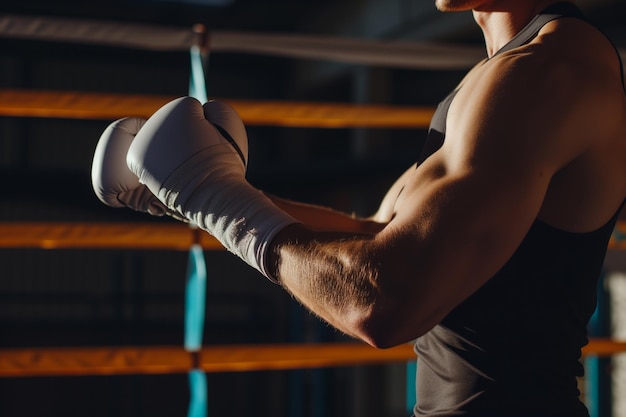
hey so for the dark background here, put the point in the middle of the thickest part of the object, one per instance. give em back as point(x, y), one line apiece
point(132, 297)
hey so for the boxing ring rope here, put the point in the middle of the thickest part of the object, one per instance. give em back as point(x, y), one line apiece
point(169, 359)
point(398, 54)
point(166, 236)
point(372, 52)
point(39, 362)
point(196, 274)
point(76, 235)
point(107, 106)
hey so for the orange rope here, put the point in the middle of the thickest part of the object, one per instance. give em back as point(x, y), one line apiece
point(32, 362)
point(618, 239)
point(165, 360)
point(172, 236)
point(107, 106)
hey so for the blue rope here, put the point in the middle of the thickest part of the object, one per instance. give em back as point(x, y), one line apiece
point(195, 288)
point(195, 299)
point(411, 394)
point(597, 378)
point(198, 404)
point(195, 302)
point(197, 83)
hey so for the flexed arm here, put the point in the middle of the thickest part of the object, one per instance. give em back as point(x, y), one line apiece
point(519, 140)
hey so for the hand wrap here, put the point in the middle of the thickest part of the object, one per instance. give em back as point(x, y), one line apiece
point(193, 158)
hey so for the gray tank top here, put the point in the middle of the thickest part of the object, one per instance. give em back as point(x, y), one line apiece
point(513, 348)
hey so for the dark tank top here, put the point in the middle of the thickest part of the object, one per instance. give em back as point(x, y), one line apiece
point(513, 348)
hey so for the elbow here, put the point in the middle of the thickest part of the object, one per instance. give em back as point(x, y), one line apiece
point(383, 335)
point(399, 309)
point(396, 314)
point(386, 327)
point(381, 339)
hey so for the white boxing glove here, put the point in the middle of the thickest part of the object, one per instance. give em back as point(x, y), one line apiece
point(193, 158)
point(113, 183)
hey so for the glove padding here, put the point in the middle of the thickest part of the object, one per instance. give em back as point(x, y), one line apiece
point(193, 158)
point(113, 183)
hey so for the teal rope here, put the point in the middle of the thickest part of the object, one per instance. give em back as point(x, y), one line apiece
point(195, 299)
point(597, 379)
point(198, 404)
point(197, 83)
point(195, 289)
point(411, 394)
point(195, 303)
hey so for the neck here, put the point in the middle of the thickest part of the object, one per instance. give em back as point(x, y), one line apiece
point(500, 21)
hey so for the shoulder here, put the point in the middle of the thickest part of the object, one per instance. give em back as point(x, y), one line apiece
point(583, 66)
point(579, 45)
point(568, 55)
point(573, 54)
point(546, 97)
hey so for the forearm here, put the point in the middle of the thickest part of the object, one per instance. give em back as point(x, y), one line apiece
point(322, 219)
point(331, 273)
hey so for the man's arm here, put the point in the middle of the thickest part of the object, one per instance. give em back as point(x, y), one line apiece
point(447, 238)
point(461, 214)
